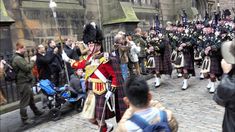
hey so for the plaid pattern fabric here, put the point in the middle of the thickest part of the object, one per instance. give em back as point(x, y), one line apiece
point(100, 100)
point(216, 66)
point(189, 61)
point(162, 62)
point(120, 106)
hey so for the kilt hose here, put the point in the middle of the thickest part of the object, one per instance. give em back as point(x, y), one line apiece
point(162, 63)
point(189, 62)
point(216, 68)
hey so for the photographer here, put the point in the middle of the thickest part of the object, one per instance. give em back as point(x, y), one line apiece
point(72, 51)
point(56, 64)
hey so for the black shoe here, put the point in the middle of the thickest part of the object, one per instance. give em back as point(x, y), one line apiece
point(28, 122)
point(144, 73)
point(39, 113)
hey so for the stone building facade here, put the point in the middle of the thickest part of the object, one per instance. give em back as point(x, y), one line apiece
point(34, 22)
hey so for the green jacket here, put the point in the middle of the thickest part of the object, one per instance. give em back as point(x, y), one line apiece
point(22, 68)
point(138, 39)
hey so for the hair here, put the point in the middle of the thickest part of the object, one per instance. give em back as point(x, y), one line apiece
point(49, 41)
point(137, 91)
point(118, 38)
point(138, 30)
point(19, 45)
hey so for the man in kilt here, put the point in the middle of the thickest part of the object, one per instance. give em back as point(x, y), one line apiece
point(213, 51)
point(159, 51)
point(186, 48)
point(101, 79)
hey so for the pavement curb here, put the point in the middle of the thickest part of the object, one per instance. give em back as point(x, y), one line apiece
point(15, 105)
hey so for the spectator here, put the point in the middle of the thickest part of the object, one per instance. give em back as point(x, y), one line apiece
point(2, 98)
point(139, 99)
point(72, 52)
point(43, 60)
point(83, 47)
point(137, 38)
point(56, 63)
point(133, 55)
point(23, 83)
point(225, 94)
point(123, 50)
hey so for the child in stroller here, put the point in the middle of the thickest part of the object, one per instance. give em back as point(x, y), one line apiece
point(59, 96)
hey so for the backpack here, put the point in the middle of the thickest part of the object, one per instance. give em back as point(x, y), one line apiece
point(161, 126)
point(9, 73)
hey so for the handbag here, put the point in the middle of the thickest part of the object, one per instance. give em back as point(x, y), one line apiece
point(88, 111)
point(173, 56)
point(151, 62)
point(206, 64)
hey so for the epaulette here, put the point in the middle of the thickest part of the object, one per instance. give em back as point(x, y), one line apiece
point(104, 60)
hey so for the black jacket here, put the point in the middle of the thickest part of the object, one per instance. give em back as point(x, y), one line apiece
point(56, 63)
point(72, 54)
point(225, 96)
point(42, 63)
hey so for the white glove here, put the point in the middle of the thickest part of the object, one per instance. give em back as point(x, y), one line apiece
point(65, 57)
point(108, 94)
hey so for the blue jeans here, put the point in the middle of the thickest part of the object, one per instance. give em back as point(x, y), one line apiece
point(124, 70)
point(141, 62)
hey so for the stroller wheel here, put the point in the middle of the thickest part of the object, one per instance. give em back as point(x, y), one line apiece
point(79, 105)
point(54, 114)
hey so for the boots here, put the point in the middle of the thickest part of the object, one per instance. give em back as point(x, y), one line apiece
point(212, 89)
point(158, 82)
point(209, 84)
point(185, 84)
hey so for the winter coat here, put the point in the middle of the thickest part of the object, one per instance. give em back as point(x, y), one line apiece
point(139, 40)
point(56, 63)
point(22, 68)
point(42, 63)
point(225, 96)
point(133, 55)
point(123, 53)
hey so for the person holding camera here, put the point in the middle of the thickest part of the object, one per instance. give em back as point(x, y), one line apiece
point(24, 80)
point(225, 94)
point(56, 64)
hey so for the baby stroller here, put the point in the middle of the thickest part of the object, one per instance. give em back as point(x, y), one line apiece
point(59, 96)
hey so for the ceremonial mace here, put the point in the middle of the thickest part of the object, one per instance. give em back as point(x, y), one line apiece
point(53, 5)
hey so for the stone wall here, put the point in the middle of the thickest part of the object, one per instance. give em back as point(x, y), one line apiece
point(34, 21)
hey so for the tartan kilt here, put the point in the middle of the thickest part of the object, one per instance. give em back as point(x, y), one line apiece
point(120, 106)
point(100, 100)
point(162, 63)
point(188, 61)
point(216, 66)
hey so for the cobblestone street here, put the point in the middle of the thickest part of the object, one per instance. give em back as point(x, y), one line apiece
point(194, 109)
